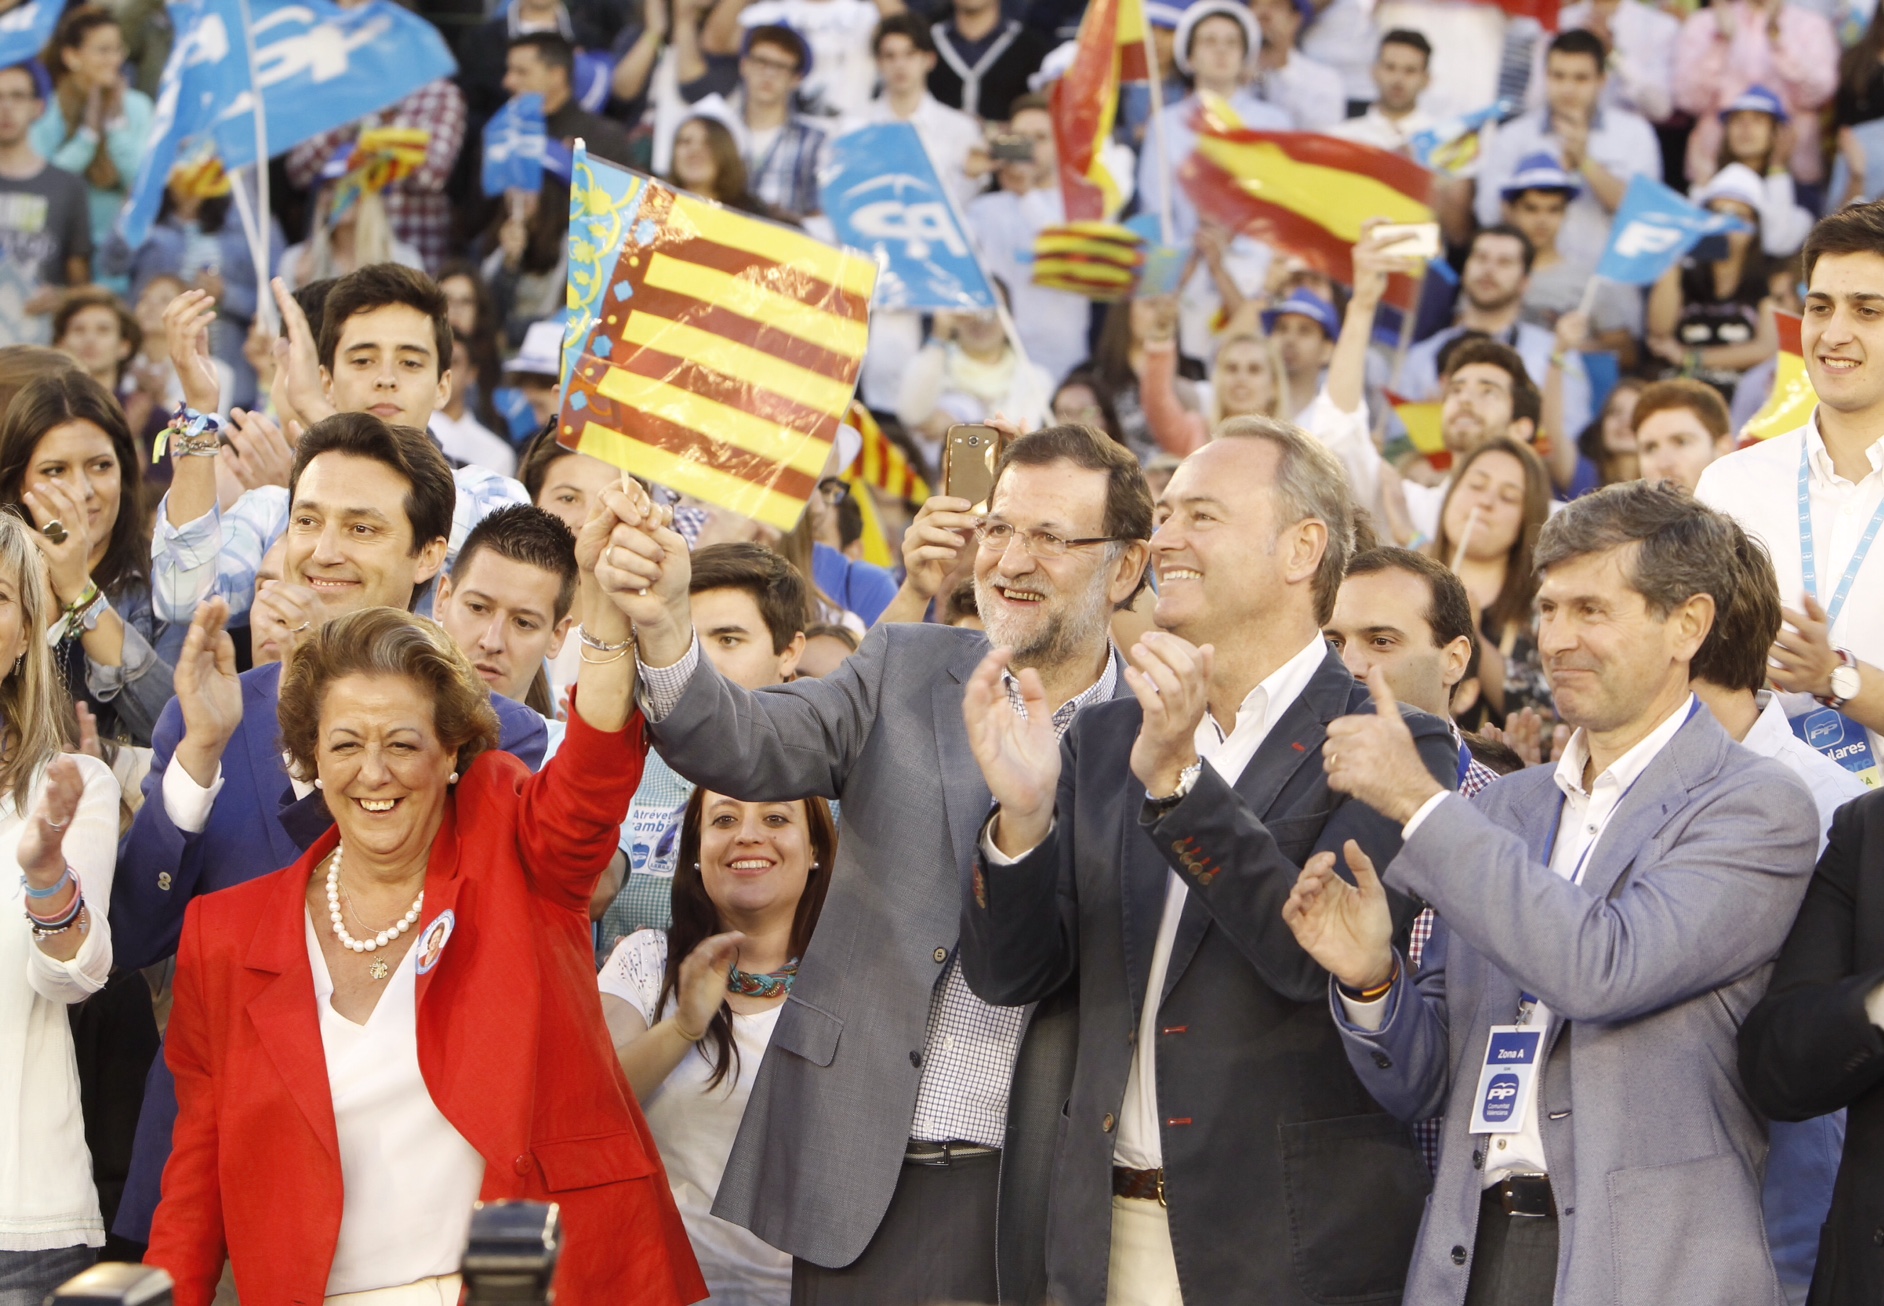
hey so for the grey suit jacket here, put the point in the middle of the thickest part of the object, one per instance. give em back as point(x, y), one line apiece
point(1650, 964)
point(822, 1143)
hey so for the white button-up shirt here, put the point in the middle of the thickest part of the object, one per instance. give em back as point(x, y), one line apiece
point(1758, 487)
point(1140, 1146)
point(1621, 142)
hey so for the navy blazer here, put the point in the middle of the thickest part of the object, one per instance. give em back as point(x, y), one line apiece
point(256, 827)
point(1287, 1184)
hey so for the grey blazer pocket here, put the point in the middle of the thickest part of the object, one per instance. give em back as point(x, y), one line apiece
point(1690, 1232)
point(805, 1031)
point(1356, 1188)
point(1296, 836)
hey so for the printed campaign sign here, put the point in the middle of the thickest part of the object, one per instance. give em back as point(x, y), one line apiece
point(25, 31)
point(883, 196)
point(1841, 739)
point(1653, 230)
point(1507, 1080)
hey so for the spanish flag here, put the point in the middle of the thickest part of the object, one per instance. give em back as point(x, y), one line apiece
point(881, 463)
point(723, 356)
point(1790, 405)
point(1085, 103)
point(1304, 193)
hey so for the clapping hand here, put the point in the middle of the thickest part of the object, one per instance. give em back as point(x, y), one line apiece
point(1802, 658)
point(42, 845)
point(1019, 755)
point(209, 692)
point(1532, 736)
point(186, 334)
point(1372, 757)
point(701, 988)
point(257, 453)
point(1171, 678)
point(297, 362)
point(1346, 928)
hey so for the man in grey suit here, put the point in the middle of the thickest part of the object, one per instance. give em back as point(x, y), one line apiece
point(1604, 926)
point(895, 1113)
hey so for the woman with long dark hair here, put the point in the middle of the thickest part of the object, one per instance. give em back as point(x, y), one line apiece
point(692, 1010)
point(69, 467)
point(707, 162)
point(1495, 505)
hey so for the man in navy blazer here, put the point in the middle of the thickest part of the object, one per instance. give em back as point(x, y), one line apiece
point(372, 507)
point(1215, 1146)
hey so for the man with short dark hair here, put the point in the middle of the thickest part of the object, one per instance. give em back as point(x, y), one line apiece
point(783, 150)
point(372, 506)
point(1141, 866)
point(897, 1142)
point(1308, 89)
point(1600, 921)
point(45, 219)
point(1814, 495)
point(544, 63)
point(1536, 198)
point(1681, 427)
point(1603, 144)
point(1488, 393)
point(1492, 288)
point(1401, 72)
point(906, 54)
point(507, 597)
point(384, 347)
point(752, 609)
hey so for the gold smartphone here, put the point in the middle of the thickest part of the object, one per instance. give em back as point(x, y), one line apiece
point(1409, 239)
point(968, 457)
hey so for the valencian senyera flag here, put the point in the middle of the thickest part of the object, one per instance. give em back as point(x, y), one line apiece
point(1304, 193)
point(1085, 104)
point(721, 356)
point(1790, 404)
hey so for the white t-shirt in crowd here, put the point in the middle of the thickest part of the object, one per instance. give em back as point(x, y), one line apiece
point(695, 1126)
point(470, 443)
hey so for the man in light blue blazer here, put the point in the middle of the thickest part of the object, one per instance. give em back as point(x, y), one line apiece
point(1604, 926)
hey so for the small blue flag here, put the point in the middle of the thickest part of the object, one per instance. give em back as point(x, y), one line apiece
point(25, 31)
point(883, 196)
point(1654, 229)
point(514, 146)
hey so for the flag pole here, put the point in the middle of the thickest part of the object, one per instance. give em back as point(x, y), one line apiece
point(1409, 321)
point(258, 236)
point(1167, 218)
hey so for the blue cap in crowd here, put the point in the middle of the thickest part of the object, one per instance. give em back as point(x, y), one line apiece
point(1541, 171)
point(1756, 99)
point(1305, 303)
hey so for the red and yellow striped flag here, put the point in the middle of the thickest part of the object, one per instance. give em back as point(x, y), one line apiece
point(1305, 193)
point(1422, 419)
point(723, 358)
point(1110, 52)
point(1790, 405)
point(881, 463)
point(1099, 260)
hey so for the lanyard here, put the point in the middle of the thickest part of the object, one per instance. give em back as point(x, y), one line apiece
point(1526, 999)
point(1808, 562)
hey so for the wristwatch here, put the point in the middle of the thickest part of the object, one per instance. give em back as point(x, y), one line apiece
point(1846, 682)
point(1187, 780)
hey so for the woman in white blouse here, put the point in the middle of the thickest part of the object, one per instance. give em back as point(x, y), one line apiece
point(692, 1010)
point(59, 828)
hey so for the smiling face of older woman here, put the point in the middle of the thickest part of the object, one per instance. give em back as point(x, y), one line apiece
point(384, 771)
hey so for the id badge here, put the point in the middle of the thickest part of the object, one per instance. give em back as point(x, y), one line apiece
point(1841, 739)
point(1507, 1082)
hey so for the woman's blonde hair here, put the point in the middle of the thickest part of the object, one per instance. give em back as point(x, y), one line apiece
point(33, 701)
point(1279, 379)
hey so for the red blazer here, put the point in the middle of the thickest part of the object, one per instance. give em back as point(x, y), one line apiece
point(511, 1043)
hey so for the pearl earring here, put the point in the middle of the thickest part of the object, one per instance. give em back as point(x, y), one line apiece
point(696, 866)
point(454, 778)
point(319, 783)
point(815, 866)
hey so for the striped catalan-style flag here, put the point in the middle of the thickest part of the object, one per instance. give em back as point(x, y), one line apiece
point(1099, 260)
point(1305, 193)
point(1790, 405)
point(1085, 103)
point(723, 356)
point(881, 463)
point(1422, 419)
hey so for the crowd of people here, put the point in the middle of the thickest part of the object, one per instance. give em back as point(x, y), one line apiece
point(1254, 854)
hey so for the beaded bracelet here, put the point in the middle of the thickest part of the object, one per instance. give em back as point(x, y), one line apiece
point(190, 434)
point(57, 884)
point(42, 926)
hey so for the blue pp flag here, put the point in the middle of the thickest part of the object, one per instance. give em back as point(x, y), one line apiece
point(25, 31)
point(883, 196)
point(1452, 145)
point(1653, 230)
point(514, 146)
point(317, 66)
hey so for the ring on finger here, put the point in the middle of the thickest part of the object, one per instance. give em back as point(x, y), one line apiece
point(54, 530)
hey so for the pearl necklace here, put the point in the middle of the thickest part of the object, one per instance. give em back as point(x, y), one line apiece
point(379, 940)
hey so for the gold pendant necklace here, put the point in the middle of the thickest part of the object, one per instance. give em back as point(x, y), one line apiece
point(379, 970)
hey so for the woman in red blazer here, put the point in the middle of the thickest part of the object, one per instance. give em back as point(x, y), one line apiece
point(406, 1019)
